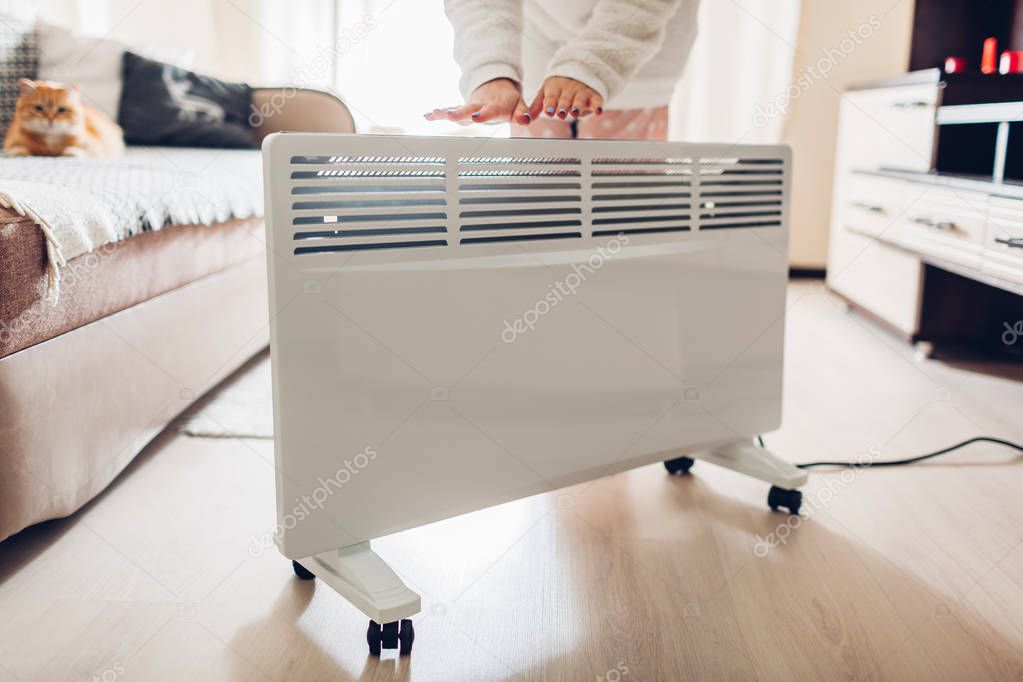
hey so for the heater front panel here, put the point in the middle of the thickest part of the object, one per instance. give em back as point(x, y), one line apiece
point(458, 322)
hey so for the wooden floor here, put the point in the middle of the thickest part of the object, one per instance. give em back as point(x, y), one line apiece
point(900, 574)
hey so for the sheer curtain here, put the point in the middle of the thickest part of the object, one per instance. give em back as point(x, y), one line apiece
point(742, 60)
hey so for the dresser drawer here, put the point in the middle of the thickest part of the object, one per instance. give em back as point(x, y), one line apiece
point(872, 205)
point(1003, 243)
point(950, 224)
point(895, 127)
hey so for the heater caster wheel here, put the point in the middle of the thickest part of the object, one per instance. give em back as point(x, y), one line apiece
point(780, 497)
point(680, 466)
point(395, 635)
point(301, 571)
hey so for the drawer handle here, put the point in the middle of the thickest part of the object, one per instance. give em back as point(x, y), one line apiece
point(914, 104)
point(868, 207)
point(943, 225)
point(1011, 242)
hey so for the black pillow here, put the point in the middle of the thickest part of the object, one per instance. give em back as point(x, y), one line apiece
point(163, 104)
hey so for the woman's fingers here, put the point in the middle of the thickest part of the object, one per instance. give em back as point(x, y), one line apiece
point(550, 100)
point(521, 113)
point(464, 112)
point(490, 112)
point(438, 114)
point(579, 106)
point(536, 106)
point(565, 103)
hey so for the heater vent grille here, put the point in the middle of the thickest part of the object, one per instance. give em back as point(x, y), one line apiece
point(740, 193)
point(645, 195)
point(364, 202)
point(367, 203)
point(519, 199)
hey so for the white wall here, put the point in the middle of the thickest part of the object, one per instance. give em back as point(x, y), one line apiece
point(258, 41)
point(812, 116)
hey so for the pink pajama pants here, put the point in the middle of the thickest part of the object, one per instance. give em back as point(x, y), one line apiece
point(613, 124)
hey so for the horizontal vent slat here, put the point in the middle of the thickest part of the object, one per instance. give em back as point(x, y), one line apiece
point(393, 189)
point(647, 185)
point(641, 219)
point(741, 194)
point(503, 171)
point(512, 212)
point(519, 161)
point(370, 232)
point(632, 161)
point(725, 182)
point(634, 208)
point(736, 161)
point(367, 246)
point(733, 215)
point(368, 203)
point(520, 237)
point(642, 230)
point(368, 160)
point(514, 225)
point(643, 172)
point(366, 171)
point(496, 188)
point(649, 197)
point(739, 203)
point(371, 220)
point(705, 225)
point(548, 199)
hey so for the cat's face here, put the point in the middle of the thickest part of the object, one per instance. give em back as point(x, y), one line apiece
point(49, 108)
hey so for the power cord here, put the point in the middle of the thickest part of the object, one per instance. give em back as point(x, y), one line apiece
point(908, 460)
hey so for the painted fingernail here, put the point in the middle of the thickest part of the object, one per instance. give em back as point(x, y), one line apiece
point(575, 111)
point(600, 110)
point(476, 115)
point(550, 111)
point(562, 113)
point(527, 117)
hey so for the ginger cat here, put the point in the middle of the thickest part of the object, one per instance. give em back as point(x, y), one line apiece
point(52, 120)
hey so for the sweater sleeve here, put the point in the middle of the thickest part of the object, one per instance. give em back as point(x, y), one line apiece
point(488, 40)
point(619, 37)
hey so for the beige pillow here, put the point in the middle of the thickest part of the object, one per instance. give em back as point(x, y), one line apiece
point(93, 64)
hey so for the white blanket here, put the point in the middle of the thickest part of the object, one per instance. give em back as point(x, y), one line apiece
point(81, 204)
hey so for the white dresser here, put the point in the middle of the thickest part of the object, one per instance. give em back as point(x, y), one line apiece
point(892, 216)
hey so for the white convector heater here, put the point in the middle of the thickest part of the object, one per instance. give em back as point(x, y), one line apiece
point(459, 322)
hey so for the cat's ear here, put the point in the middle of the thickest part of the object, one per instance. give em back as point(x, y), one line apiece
point(26, 86)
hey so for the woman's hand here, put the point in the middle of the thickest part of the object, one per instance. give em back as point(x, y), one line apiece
point(496, 101)
point(564, 97)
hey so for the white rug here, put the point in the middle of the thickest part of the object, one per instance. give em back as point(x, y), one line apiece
point(241, 407)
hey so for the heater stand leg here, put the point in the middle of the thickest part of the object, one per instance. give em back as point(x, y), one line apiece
point(363, 578)
point(746, 458)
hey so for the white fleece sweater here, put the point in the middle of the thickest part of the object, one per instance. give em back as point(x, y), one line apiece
point(632, 52)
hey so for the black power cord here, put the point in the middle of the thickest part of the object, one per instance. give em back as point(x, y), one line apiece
point(908, 460)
